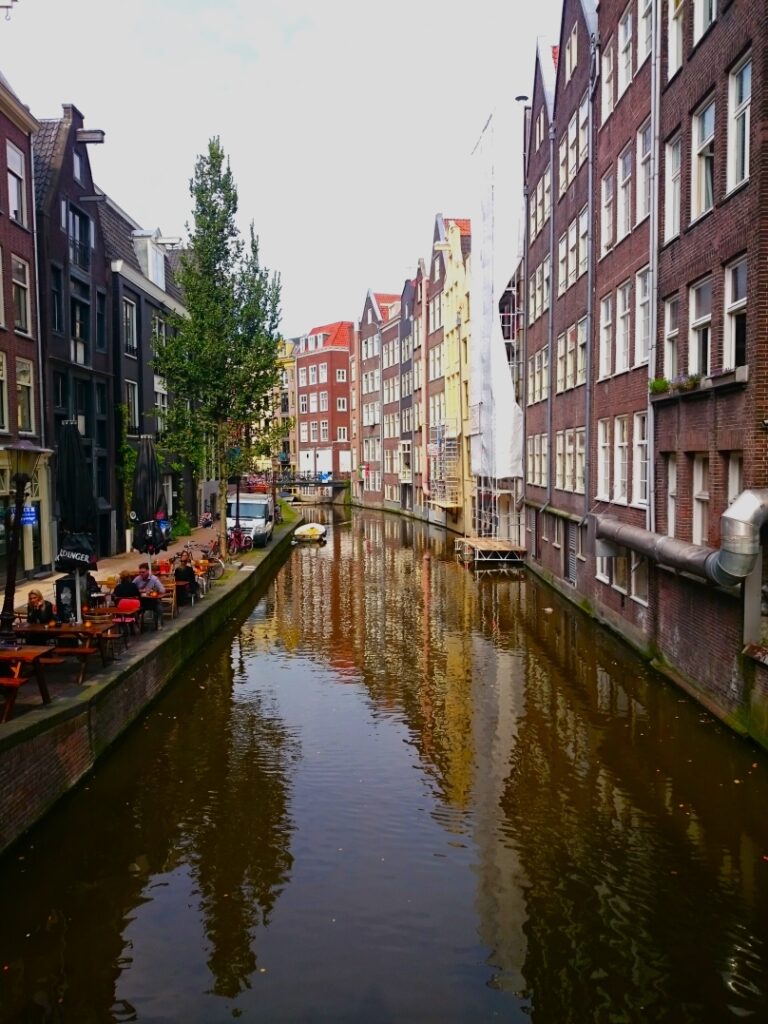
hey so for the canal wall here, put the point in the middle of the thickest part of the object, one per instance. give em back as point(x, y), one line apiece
point(45, 754)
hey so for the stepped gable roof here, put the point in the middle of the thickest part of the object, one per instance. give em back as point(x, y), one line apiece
point(45, 144)
point(339, 333)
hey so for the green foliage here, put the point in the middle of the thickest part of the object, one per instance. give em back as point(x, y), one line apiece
point(126, 457)
point(220, 359)
point(658, 386)
point(181, 525)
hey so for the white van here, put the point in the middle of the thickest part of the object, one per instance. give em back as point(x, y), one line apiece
point(257, 516)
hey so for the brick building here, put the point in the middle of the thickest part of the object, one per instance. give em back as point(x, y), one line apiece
point(322, 390)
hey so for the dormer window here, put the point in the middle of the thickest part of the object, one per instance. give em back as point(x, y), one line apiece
point(77, 166)
point(156, 265)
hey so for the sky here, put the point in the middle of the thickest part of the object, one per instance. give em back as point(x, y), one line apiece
point(348, 125)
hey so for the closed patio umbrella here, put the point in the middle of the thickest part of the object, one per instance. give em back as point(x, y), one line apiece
point(149, 507)
point(77, 508)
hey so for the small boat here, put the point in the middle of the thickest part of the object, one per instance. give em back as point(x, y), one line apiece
point(311, 531)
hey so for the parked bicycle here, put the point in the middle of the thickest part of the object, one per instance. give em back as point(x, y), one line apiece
point(208, 553)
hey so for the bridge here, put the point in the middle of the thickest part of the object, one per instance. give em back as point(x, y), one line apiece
point(281, 482)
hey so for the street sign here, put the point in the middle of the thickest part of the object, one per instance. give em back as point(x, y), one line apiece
point(29, 515)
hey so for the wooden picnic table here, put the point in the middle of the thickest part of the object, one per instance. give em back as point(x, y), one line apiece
point(81, 633)
point(17, 660)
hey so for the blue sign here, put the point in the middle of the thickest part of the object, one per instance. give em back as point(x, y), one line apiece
point(29, 515)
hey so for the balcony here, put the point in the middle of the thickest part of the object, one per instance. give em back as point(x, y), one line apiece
point(79, 254)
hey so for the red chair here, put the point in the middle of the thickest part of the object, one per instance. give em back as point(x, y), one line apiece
point(127, 613)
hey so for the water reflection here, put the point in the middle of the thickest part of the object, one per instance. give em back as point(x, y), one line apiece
point(510, 815)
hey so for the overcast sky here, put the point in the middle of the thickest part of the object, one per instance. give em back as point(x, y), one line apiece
point(349, 125)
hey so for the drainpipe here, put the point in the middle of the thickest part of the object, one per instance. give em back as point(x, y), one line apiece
point(593, 47)
point(551, 319)
point(739, 542)
point(653, 245)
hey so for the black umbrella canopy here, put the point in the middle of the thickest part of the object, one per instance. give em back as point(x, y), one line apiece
point(148, 494)
point(74, 483)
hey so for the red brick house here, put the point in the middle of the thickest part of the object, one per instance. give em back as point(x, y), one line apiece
point(323, 400)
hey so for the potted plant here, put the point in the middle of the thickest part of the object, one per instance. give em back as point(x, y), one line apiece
point(658, 385)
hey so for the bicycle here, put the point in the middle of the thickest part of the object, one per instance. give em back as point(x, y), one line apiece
point(209, 553)
point(238, 540)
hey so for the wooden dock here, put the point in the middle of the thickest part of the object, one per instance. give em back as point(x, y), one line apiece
point(486, 554)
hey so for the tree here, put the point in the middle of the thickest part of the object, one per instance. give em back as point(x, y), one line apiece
point(220, 359)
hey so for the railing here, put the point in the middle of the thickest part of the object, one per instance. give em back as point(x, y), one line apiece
point(80, 253)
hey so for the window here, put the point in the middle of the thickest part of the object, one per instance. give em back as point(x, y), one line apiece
point(57, 300)
point(739, 97)
point(623, 327)
point(606, 336)
point(101, 322)
point(80, 239)
point(161, 407)
point(313, 402)
point(3, 393)
point(304, 432)
point(323, 373)
point(703, 16)
point(583, 241)
point(547, 284)
point(583, 129)
point(642, 315)
point(620, 458)
point(570, 357)
point(130, 342)
point(700, 499)
point(735, 336)
point(700, 305)
point(624, 194)
point(302, 376)
point(671, 313)
point(560, 460)
point(341, 405)
point(560, 385)
point(159, 328)
point(323, 430)
point(539, 137)
point(703, 161)
point(672, 190)
point(2, 295)
point(671, 494)
point(639, 577)
point(578, 484)
point(573, 244)
point(547, 193)
point(620, 571)
point(303, 403)
point(606, 89)
point(606, 223)
point(644, 29)
point(571, 53)
point(735, 476)
point(21, 311)
point(581, 351)
point(25, 397)
point(674, 37)
point(643, 197)
point(640, 459)
point(323, 401)
point(132, 401)
point(77, 166)
point(573, 146)
point(625, 50)
point(341, 376)
point(341, 433)
point(603, 459)
point(313, 374)
point(562, 165)
point(313, 430)
point(17, 200)
point(562, 264)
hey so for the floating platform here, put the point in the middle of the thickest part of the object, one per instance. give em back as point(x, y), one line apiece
point(486, 554)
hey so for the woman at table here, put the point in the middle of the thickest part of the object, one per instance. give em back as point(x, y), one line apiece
point(185, 575)
point(39, 611)
point(126, 588)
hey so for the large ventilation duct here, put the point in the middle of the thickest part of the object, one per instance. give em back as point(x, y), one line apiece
point(733, 562)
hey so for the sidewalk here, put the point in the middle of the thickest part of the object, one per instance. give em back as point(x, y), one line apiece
point(109, 566)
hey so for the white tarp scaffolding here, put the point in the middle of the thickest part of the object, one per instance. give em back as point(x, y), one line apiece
point(496, 445)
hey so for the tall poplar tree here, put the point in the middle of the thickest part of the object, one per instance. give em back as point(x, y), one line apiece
point(219, 361)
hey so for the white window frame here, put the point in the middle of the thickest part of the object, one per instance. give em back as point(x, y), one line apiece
point(644, 30)
point(606, 337)
point(640, 462)
point(643, 187)
point(341, 376)
point(703, 159)
point(583, 128)
point(583, 252)
point(735, 308)
point(671, 494)
point(673, 165)
point(623, 327)
point(675, 10)
point(573, 251)
point(624, 43)
point(700, 524)
point(22, 310)
point(642, 315)
point(581, 351)
point(671, 337)
point(341, 405)
point(302, 376)
point(607, 207)
point(3, 392)
point(607, 84)
point(571, 53)
point(624, 193)
point(704, 15)
point(699, 351)
point(603, 460)
point(25, 366)
point(17, 184)
point(562, 264)
point(620, 460)
point(739, 104)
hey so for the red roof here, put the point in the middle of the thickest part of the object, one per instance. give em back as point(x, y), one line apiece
point(385, 300)
point(339, 334)
point(555, 55)
point(463, 224)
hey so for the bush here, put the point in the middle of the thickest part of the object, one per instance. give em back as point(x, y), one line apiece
point(658, 386)
point(181, 526)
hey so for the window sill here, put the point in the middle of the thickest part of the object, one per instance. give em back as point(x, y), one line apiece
point(700, 217)
point(735, 189)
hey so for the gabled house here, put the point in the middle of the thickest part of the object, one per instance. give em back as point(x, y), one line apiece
point(21, 396)
point(379, 308)
point(74, 309)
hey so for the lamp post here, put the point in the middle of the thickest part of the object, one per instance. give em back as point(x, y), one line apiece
point(23, 457)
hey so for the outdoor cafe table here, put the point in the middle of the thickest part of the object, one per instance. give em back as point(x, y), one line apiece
point(17, 659)
point(80, 632)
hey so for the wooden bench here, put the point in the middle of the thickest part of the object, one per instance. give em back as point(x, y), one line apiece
point(82, 654)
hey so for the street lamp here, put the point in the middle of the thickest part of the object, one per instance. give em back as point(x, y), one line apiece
point(23, 457)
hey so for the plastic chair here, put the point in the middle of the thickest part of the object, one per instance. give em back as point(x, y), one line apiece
point(127, 614)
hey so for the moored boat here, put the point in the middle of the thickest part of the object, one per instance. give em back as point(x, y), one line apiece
point(311, 531)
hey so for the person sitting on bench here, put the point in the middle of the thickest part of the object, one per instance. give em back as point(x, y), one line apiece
point(151, 590)
point(39, 611)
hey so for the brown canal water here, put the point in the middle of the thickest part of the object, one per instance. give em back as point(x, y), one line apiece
point(394, 792)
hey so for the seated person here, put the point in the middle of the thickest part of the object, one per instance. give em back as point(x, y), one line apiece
point(186, 574)
point(91, 586)
point(150, 590)
point(125, 588)
point(39, 611)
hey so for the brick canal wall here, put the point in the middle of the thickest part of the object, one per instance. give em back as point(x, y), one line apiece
point(46, 754)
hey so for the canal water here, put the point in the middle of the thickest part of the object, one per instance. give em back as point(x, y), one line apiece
point(394, 792)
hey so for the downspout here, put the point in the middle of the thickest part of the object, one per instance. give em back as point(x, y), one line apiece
point(653, 245)
point(551, 318)
point(588, 397)
point(737, 556)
